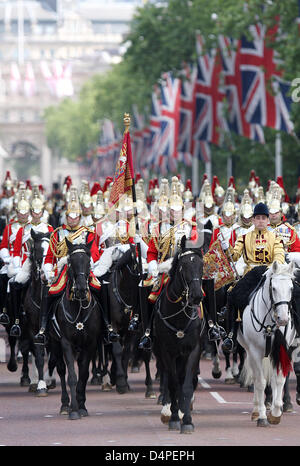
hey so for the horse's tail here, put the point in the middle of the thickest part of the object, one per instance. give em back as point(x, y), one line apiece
point(246, 375)
point(279, 354)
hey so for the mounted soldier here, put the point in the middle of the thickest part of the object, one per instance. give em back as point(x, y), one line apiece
point(6, 252)
point(21, 251)
point(259, 247)
point(163, 245)
point(55, 264)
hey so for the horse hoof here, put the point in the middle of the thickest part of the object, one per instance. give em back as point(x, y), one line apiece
point(122, 390)
point(150, 394)
point(174, 425)
point(254, 416)
point(51, 385)
point(32, 387)
point(12, 366)
point(216, 375)
point(25, 381)
point(106, 387)
point(64, 410)
point(42, 392)
point(298, 398)
point(274, 420)
point(96, 380)
point(287, 407)
point(262, 423)
point(187, 428)
point(164, 419)
point(83, 412)
point(74, 415)
point(230, 381)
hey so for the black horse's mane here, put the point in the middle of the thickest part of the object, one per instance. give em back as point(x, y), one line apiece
point(125, 259)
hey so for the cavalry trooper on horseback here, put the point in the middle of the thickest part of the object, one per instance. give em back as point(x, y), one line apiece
point(6, 253)
point(56, 260)
point(162, 246)
point(21, 251)
point(259, 247)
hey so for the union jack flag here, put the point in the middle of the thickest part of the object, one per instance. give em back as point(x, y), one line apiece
point(170, 116)
point(209, 115)
point(154, 127)
point(230, 51)
point(187, 113)
point(259, 72)
point(137, 143)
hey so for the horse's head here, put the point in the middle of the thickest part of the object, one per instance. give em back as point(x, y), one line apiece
point(280, 290)
point(187, 265)
point(38, 248)
point(79, 265)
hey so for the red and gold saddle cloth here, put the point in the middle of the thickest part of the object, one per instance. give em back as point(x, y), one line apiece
point(59, 285)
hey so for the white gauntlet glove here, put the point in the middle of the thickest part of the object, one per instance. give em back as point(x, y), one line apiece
point(153, 268)
point(224, 244)
point(49, 274)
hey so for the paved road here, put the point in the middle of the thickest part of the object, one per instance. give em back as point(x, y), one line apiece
point(221, 417)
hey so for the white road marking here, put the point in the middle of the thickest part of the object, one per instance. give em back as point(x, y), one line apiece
point(203, 383)
point(218, 397)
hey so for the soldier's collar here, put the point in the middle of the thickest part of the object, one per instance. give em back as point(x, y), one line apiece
point(73, 228)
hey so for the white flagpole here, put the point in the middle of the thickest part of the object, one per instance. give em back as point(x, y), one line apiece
point(20, 32)
point(278, 156)
point(195, 175)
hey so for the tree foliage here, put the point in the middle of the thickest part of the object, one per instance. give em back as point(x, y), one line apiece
point(162, 38)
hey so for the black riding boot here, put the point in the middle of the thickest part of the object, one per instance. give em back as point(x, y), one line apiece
point(40, 338)
point(4, 317)
point(16, 294)
point(234, 317)
point(112, 336)
point(146, 342)
point(215, 332)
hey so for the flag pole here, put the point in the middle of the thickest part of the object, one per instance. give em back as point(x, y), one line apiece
point(139, 258)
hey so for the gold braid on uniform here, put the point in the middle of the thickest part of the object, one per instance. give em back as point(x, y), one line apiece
point(59, 248)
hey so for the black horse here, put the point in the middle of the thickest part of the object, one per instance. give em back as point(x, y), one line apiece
point(75, 329)
point(125, 298)
point(177, 330)
point(31, 306)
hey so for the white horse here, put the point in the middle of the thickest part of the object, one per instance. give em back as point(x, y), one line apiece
point(266, 333)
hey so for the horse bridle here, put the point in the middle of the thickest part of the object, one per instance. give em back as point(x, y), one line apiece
point(273, 307)
point(86, 275)
point(186, 285)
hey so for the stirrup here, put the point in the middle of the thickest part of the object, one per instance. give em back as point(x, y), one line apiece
point(15, 330)
point(145, 342)
point(112, 336)
point(213, 331)
point(133, 324)
point(228, 344)
point(4, 318)
point(39, 338)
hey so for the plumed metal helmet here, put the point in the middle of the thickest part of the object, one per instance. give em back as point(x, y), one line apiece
point(228, 208)
point(7, 183)
point(274, 203)
point(206, 195)
point(246, 210)
point(176, 202)
point(187, 194)
point(261, 209)
point(37, 204)
point(73, 208)
point(164, 194)
point(99, 209)
point(23, 206)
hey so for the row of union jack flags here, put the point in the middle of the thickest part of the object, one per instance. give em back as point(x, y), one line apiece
point(237, 87)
